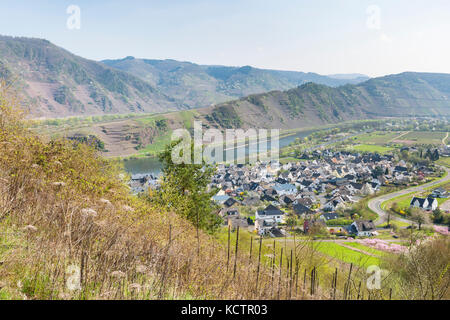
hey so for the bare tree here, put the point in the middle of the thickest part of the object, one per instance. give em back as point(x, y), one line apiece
point(420, 217)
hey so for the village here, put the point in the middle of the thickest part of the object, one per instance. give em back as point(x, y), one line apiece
point(313, 196)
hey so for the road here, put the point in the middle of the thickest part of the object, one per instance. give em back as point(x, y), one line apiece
point(375, 203)
point(444, 139)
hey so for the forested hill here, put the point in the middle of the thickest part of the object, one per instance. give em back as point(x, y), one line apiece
point(204, 85)
point(56, 83)
point(405, 94)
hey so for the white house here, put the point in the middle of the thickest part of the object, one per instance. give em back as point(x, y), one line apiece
point(363, 228)
point(424, 203)
point(271, 213)
point(285, 189)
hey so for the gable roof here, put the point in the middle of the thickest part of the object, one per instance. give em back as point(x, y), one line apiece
point(271, 210)
point(420, 200)
point(305, 201)
point(330, 216)
point(284, 187)
point(266, 197)
point(300, 209)
point(364, 225)
point(220, 199)
point(229, 202)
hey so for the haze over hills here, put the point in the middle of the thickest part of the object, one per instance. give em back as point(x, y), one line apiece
point(56, 83)
point(405, 94)
point(352, 77)
point(204, 85)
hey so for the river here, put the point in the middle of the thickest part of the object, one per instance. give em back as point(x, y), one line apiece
point(153, 166)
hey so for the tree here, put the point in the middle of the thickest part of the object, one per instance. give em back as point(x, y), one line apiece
point(378, 171)
point(394, 208)
point(420, 217)
point(291, 221)
point(422, 271)
point(435, 155)
point(429, 155)
point(438, 216)
point(184, 189)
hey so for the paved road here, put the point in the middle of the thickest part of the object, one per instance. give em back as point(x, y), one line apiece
point(375, 203)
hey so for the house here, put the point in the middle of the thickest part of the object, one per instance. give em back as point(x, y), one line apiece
point(401, 169)
point(329, 216)
point(229, 202)
point(235, 221)
point(271, 213)
point(363, 228)
point(309, 224)
point(220, 199)
point(265, 228)
point(337, 230)
point(439, 193)
point(300, 209)
point(424, 203)
point(285, 189)
point(251, 201)
point(268, 198)
point(335, 204)
point(226, 212)
point(288, 199)
point(307, 202)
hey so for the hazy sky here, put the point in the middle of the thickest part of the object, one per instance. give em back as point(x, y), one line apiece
point(325, 36)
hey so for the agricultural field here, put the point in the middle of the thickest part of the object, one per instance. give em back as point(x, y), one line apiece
point(399, 224)
point(371, 148)
point(364, 248)
point(422, 137)
point(377, 137)
point(370, 141)
point(338, 252)
point(347, 255)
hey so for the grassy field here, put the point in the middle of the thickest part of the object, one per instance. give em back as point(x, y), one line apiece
point(347, 255)
point(399, 224)
point(444, 161)
point(382, 138)
point(156, 147)
point(424, 137)
point(377, 137)
point(402, 201)
point(362, 247)
point(405, 200)
point(329, 249)
point(372, 148)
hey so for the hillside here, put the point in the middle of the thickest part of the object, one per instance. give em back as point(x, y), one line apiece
point(406, 94)
point(307, 106)
point(203, 85)
point(56, 83)
point(70, 229)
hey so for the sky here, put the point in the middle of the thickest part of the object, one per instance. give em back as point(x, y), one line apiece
point(375, 37)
